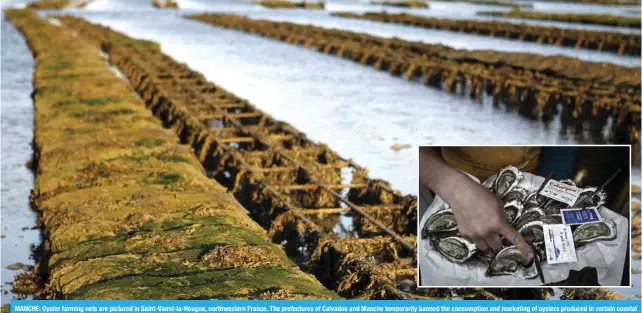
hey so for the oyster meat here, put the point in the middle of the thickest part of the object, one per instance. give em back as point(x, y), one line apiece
point(454, 248)
point(513, 210)
point(529, 215)
point(509, 262)
point(441, 221)
point(552, 219)
point(590, 197)
point(568, 182)
point(534, 200)
point(553, 207)
point(533, 232)
point(506, 180)
point(517, 193)
point(540, 249)
point(585, 233)
point(485, 256)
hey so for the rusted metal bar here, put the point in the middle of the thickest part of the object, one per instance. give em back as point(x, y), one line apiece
point(323, 211)
point(317, 186)
point(338, 165)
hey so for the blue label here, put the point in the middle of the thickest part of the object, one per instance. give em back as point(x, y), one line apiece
point(580, 216)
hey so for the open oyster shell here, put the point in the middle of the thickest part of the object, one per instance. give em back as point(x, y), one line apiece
point(534, 200)
point(568, 182)
point(441, 221)
point(517, 193)
point(506, 180)
point(509, 262)
point(552, 219)
point(590, 197)
point(585, 233)
point(485, 256)
point(529, 215)
point(454, 248)
point(554, 207)
point(513, 210)
point(533, 232)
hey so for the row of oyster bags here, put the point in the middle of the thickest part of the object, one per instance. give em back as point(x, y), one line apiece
point(527, 210)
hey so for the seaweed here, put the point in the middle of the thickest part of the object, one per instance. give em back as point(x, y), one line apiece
point(590, 93)
point(284, 4)
point(628, 44)
point(123, 205)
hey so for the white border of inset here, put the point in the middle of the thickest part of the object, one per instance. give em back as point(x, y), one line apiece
point(418, 234)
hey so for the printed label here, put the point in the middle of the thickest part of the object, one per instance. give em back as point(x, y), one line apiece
point(558, 241)
point(561, 192)
point(580, 216)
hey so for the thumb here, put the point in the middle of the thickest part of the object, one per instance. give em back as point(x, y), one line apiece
point(517, 240)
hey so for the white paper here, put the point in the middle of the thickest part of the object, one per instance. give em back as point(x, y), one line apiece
point(558, 241)
point(604, 256)
point(561, 192)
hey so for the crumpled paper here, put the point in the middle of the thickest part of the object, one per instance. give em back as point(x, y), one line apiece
point(607, 257)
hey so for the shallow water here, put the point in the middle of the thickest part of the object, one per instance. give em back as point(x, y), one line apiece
point(440, 9)
point(323, 19)
point(451, 10)
point(17, 133)
point(452, 39)
point(584, 8)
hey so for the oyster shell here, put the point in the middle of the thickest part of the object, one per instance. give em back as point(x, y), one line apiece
point(454, 248)
point(553, 207)
point(540, 249)
point(513, 210)
point(529, 215)
point(489, 183)
point(424, 232)
point(532, 232)
point(485, 256)
point(568, 182)
point(509, 262)
point(552, 219)
point(590, 197)
point(440, 221)
point(534, 200)
point(585, 233)
point(517, 193)
point(506, 180)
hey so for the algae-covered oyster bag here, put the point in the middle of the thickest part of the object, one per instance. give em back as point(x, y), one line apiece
point(463, 265)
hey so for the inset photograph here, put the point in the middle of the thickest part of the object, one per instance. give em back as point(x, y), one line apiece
point(520, 216)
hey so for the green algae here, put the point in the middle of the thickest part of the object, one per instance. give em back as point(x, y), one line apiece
point(170, 238)
point(122, 203)
point(166, 179)
point(280, 4)
point(172, 158)
point(99, 101)
point(150, 142)
point(256, 283)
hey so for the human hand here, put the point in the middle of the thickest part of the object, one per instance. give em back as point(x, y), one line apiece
point(480, 215)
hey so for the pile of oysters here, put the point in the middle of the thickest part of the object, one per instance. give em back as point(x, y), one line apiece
point(527, 211)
